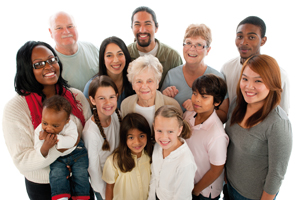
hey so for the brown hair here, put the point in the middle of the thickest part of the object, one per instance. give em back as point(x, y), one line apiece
point(199, 30)
point(169, 111)
point(58, 103)
point(122, 154)
point(269, 71)
point(102, 81)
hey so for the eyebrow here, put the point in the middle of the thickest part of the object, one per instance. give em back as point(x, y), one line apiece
point(250, 33)
point(112, 52)
point(43, 60)
point(252, 77)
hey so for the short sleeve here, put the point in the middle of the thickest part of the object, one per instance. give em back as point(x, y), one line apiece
point(110, 172)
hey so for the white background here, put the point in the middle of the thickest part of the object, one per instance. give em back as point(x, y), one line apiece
point(28, 20)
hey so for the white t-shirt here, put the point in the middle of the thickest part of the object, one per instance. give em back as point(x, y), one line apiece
point(93, 142)
point(147, 112)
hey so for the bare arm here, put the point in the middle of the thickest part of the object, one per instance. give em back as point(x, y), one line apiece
point(223, 110)
point(211, 175)
point(109, 191)
point(266, 196)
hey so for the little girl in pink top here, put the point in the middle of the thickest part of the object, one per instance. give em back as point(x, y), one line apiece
point(209, 141)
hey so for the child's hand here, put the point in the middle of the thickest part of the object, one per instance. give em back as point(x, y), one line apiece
point(171, 91)
point(50, 141)
point(70, 170)
point(43, 134)
point(188, 105)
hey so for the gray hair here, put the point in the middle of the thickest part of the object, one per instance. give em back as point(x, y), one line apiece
point(143, 63)
point(54, 16)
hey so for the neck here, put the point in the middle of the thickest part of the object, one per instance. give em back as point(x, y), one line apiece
point(254, 107)
point(146, 103)
point(167, 152)
point(195, 69)
point(244, 59)
point(202, 117)
point(67, 50)
point(49, 91)
point(146, 49)
point(104, 120)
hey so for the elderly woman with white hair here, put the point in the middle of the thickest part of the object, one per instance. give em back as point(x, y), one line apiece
point(144, 74)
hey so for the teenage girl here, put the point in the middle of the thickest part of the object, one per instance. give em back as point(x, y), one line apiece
point(100, 133)
point(127, 170)
point(173, 167)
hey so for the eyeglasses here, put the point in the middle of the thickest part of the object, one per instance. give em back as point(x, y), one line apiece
point(198, 46)
point(42, 64)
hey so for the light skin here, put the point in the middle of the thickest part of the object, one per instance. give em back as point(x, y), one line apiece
point(105, 101)
point(167, 132)
point(115, 61)
point(64, 32)
point(248, 40)
point(193, 68)
point(144, 29)
point(145, 86)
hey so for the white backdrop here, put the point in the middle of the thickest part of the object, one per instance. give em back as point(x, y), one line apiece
point(28, 20)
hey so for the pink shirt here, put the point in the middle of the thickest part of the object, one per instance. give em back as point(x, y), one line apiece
point(208, 144)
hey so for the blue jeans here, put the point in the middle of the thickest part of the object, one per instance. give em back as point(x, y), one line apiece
point(98, 196)
point(201, 197)
point(234, 195)
point(78, 184)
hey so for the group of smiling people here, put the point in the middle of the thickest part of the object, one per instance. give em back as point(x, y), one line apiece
point(251, 155)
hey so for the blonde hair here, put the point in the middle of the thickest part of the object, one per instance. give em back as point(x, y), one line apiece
point(169, 111)
point(198, 30)
point(143, 63)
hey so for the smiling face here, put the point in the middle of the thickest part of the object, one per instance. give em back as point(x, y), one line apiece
point(114, 59)
point(253, 88)
point(105, 101)
point(54, 121)
point(248, 40)
point(167, 131)
point(145, 85)
point(136, 141)
point(144, 29)
point(203, 103)
point(191, 54)
point(47, 76)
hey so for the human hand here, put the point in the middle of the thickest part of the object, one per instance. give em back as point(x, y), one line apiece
point(43, 134)
point(188, 105)
point(50, 141)
point(171, 91)
point(70, 170)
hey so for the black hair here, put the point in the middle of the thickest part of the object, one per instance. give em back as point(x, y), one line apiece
point(146, 9)
point(58, 103)
point(257, 22)
point(211, 84)
point(102, 68)
point(25, 81)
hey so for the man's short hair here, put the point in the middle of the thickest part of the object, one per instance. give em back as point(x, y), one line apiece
point(257, 22)
point(146, 9)
point(58, 103)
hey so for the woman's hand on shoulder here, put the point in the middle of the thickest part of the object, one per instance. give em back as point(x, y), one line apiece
point(188, 105)
point(171, 91)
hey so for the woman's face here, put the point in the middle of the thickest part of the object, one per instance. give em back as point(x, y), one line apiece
point(145, 85)
point(114, 59)
point(253, 88)
point(192, 55)
point(48, 75)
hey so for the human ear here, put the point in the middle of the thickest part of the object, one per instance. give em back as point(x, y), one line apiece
point(92, 100)
point(263, 41)
point(180, 130)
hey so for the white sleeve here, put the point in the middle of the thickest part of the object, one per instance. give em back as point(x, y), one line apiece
point(67, 138)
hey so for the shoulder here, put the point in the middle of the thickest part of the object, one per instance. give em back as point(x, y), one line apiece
point(16, 108)
point(129, 100)
point(213, 71)
point(177, 71)
point(83, 103)
point(229, 64)
point(86, 44)
point(167, 50)
point(78, 94)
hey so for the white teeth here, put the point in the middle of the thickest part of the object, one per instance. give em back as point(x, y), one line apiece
point(50, 74)
point(66, 36)
point(192, 55)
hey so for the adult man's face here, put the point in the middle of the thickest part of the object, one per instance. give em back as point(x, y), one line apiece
point(143, 28)
point(63, 30)
point(248, 40)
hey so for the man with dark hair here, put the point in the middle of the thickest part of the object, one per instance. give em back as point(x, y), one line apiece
point(250, 36)
point(144, 26)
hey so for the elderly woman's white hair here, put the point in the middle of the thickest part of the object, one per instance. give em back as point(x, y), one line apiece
point(143, 63)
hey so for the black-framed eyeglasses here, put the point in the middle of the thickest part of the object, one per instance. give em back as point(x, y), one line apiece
point(198, 46)
point(42, 64)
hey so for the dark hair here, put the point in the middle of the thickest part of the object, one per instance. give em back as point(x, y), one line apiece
point(102, 81)
point(169, 111)
point(146, 9)
point(269, 71)
point(102, 68)
point(211, 84)
point(122, 154)
point(58, 103)
point(255, 21)
point(25, 81)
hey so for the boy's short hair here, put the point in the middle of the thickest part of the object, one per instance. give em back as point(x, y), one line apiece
point(58, 103)
point(211, 84)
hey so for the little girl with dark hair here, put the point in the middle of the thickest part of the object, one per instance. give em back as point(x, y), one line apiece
point(100, 133)
point(127, 170)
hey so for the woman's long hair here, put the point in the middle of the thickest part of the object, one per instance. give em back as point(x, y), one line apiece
point(269, 71)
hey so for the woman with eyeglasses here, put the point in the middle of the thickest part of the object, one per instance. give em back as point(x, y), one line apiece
point(38, 77)
point(179, 80)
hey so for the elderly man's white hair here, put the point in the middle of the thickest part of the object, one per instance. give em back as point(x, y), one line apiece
point(142, 63)
point(54, 16)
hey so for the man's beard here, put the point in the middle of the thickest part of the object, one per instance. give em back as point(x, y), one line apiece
point(144, 44)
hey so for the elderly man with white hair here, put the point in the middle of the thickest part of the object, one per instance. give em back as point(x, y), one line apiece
point(80, 59)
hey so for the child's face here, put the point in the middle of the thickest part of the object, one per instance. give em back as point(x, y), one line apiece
point(167, 131)
point(54, 121)
point(136, 141)
point(203, 103)
point(105, 101)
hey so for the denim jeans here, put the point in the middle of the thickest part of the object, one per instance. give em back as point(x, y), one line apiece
point(78, 184)
point(234, 195)
point(98, 196)
point(201, 197)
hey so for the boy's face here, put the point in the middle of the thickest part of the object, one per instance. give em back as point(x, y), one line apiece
point(203, 103)
point(54, 121)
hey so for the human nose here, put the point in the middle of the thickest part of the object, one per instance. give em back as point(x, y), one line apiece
point(142, 29)
point(66, 30)
point(250, 85)
point(116, 59)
